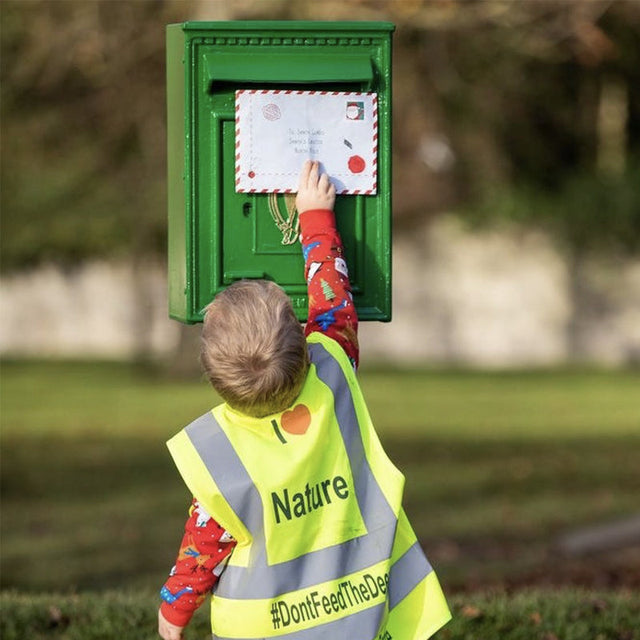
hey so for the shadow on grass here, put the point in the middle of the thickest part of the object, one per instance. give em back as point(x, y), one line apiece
point(93, 513)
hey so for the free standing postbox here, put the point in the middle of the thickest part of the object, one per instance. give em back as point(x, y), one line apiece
point(219, 234)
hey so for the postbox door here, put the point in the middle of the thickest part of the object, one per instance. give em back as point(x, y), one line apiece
point(233, 235)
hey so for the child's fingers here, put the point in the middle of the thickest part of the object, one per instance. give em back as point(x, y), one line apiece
point(304, 176)
point(324, 184)
point(313, 174)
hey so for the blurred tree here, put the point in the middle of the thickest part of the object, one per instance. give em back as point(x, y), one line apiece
point(520, 85)
point(83, 128)
point(489, 96)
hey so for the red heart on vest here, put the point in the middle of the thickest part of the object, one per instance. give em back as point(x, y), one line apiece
point(297, 420)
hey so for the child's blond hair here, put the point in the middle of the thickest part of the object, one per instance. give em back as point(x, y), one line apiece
point(253, 348)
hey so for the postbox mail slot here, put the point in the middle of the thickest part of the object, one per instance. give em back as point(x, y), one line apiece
point(300, 68)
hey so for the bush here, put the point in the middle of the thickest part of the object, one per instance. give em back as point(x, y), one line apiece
point(566, 614)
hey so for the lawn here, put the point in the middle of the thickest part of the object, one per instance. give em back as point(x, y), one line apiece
point(499, 467)
point(573, 614)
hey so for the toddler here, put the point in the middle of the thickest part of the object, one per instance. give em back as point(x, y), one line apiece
point(296, 528)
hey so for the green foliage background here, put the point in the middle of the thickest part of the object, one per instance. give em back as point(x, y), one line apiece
point(514, 88)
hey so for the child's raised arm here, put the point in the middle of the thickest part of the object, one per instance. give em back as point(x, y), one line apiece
point(331, 308)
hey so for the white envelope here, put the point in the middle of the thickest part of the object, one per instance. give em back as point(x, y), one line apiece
point(276, 131)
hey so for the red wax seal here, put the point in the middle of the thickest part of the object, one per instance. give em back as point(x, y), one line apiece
point(356, 164)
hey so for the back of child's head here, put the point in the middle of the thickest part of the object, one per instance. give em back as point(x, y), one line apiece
point(253, 348)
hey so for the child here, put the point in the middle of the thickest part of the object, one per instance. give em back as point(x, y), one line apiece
point(296, 524)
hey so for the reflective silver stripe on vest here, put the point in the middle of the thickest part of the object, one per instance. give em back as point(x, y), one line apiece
point(226, 468)
point(406, 573)
point(262, 581)
point(363, 625)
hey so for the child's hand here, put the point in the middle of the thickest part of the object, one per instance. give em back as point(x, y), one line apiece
point(314, 192)
point(167, 630)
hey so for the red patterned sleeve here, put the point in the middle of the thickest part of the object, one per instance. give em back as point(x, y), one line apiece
point(331, 308)
point(201, 559)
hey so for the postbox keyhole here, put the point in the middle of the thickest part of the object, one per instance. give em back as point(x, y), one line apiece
point(246, 209)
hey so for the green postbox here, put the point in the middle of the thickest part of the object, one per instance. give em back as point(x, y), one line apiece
point(218, 234)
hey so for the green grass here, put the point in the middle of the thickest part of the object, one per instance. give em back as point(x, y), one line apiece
point(556, 404)
point(528, 615)
point(120, 398)
point(106, 399)
point(498, 467)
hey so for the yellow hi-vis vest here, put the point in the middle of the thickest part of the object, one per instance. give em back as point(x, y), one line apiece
point(324, 549)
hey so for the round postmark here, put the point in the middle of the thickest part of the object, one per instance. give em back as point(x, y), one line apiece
point(271, 111)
